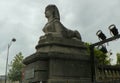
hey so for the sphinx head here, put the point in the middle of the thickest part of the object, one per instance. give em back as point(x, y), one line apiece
point(52, 11)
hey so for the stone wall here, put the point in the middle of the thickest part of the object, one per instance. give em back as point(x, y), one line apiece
point(108, 74)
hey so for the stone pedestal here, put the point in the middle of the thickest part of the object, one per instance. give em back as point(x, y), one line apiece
point(58, 60)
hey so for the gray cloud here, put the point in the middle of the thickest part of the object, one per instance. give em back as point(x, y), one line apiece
point(24, 20)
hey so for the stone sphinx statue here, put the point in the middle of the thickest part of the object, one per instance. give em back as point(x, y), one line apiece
point(55, 27)
point(59, 54)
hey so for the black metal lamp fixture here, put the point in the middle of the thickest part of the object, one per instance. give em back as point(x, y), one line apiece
point(101, 35)
point(113, 30)
point(13, 39)
point(103, 49)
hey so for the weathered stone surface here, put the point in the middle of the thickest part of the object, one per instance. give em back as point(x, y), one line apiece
point(45, 56)
point(61, 45)
point(48, 66)
point(81, 80)
point(58, 60)
point(59, 68)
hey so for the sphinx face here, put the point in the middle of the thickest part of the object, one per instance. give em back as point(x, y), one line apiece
point(48, 13)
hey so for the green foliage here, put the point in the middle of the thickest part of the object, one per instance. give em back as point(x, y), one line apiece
point(15, 72)
point(118, 58)
point(102, 58)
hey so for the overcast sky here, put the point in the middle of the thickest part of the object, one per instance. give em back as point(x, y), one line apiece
point(24, 20)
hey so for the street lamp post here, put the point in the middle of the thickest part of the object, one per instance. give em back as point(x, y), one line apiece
point(101, 36)
point(92, 54)
point(13, 40)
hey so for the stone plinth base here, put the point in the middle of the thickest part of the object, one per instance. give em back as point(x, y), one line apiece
point(69, 81)
point(58, 60)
